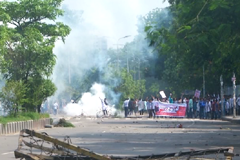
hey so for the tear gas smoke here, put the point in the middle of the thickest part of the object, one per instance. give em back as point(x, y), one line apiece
point(93, 31)
point(90, 103)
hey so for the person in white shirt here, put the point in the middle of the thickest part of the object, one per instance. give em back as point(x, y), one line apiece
point(208, 110)
point(104, 106)
point(141, 106)
point(55, 105)
point(125, 105)
point(198, 108)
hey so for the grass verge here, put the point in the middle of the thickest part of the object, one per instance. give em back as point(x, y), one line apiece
point(24, 116)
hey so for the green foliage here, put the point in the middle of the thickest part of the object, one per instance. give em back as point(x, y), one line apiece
point(23, 116)
point(131, 88)
point(201, 33)
point(41, 91)
point(28, 32)
point(68, 124)
point(63, 123)
point(13, 96)
point(34, 115)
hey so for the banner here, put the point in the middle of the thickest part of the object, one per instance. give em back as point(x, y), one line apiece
point(171, 110)
point(197, 93)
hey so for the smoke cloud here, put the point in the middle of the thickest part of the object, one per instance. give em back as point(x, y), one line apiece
point(95, 27)
point(90, 103)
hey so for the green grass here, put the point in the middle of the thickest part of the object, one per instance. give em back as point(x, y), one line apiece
point(24, 116)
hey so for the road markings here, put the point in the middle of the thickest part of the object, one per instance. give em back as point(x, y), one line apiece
point(191, 124)
point(7, 153)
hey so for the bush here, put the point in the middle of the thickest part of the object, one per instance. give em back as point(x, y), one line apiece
point(35, 115)
point(24, 116)
point(63, 123)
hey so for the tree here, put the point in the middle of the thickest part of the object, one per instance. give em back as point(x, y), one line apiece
point(13, 96)
point(129, 87)
point(202, 33)
point(29, 31)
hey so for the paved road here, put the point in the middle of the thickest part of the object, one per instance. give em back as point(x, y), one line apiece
point(141, 136)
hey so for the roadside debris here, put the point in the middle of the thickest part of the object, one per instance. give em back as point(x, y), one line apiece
point(179, 125)
point(63, 123)
point(40, 146)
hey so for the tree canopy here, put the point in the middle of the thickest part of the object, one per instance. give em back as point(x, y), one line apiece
point(28, 33)
point(197, 36)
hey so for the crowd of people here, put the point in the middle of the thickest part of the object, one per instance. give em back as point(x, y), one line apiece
point(203, 108)
point(149, 105)
point(211, 107)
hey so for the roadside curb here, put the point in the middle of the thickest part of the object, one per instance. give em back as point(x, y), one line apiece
point(232, 120)
point(16, 127)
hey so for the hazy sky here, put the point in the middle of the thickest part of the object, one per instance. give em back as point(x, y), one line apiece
point(114, 18)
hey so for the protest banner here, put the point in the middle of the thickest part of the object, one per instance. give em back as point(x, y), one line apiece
point(197, 93)
point(171, 110)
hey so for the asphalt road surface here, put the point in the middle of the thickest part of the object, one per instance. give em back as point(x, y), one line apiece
point(140, 136)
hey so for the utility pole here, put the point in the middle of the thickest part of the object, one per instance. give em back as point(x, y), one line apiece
point(139, 77)
point(118, 50)
point(221, 82)
point(127, 65)
point(69, 72)
point(203, 83)
point(234, 95)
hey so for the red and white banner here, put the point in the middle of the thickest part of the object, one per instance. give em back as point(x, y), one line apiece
point(171, 110)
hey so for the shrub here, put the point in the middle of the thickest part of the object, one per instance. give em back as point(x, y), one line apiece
point(24, 116)
point(63, 123)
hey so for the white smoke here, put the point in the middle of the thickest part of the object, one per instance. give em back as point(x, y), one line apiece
point(90, 103)
point(94, 29)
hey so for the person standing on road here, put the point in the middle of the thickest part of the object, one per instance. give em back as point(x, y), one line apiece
point(187, 104)
point(194, 108)
point(148, 107)
point(125, 105)
point(190, 108)
point(104, 106)
point(170, 99)
point(231, 104)
point(202, 105)
point(55, 105)
point(238, 105)
point(198, 108)
point(145, 105)
point(213, 109)
point(208, 109)
point(155, 107)
point(217, 109)
point(130, 106)
point(135, 107)
point(227, 107)
point(141, 106)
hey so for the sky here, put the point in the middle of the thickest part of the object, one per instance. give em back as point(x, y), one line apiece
point(113, 19)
